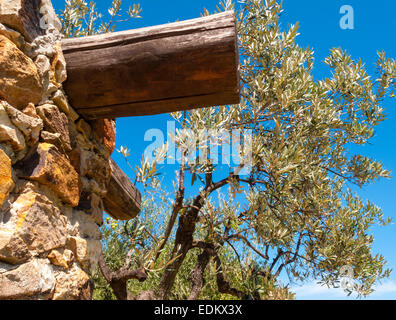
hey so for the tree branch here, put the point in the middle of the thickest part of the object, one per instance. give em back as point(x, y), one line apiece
point(244, 239)
point(118, 280)
point(288, 261)
point(183, 243)
point(176, 207)
point(184, 236)
point(222, 284)
point(198, 275)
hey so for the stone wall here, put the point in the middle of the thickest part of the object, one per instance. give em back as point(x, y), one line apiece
point(54, 166)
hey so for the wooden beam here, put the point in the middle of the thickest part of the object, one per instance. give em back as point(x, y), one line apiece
point(123, 200)
point(161, 69)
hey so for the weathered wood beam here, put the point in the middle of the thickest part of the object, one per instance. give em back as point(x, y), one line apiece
point(161, 69)
point(123, 200)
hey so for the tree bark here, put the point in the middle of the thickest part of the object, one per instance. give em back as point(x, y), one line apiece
point(198, 275)
point(222, 284)
point(183, 243)
point(118, 280)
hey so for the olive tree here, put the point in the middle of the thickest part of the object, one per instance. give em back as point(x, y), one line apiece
point(82, 18)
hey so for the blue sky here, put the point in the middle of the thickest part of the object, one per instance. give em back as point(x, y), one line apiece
point(374, 29)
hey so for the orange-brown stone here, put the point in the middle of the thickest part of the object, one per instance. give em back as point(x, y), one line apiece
point(6, 182)
point(58, 65)
point(33, 226)
point(61, 258)
point(74, 284)
point(105, 132)
point(49, 167)
point(19, 80)
point(56, 122)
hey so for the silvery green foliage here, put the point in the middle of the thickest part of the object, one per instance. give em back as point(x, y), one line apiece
point(301, 214)
point(300, 204)
point(295, 212)
point(81, 18)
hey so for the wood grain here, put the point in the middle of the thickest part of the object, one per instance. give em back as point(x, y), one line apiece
point(123, 199)
point(161, 69)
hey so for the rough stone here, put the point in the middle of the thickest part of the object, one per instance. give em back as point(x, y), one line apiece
point(82, 143)
point(45, 44)
point(33, 223)
point(56, 122)
point(29, 126)
point(61, 257)
point(48, 166)
point(23, 16)
point(92, 204)
point(84, 128)
point(13, 35)
point(58, 65)
point(19, 79)
point(6, 182)
point(48, 91)
point(92, 186)
point(7, 149)
point(5, 267)
point(60, 100)
point(86, 252)
point(81, 225)
point(95, 167)
point(30, 110)
point(32, 278)
point(54, 166)
point(51, 19)
point(9, 133)
point(13, 249)
point(105, 133)
point(43, 65)
point(53, 138)
point(47, 75)
point(74, 284)
point(40, 224)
